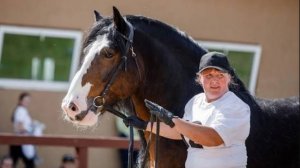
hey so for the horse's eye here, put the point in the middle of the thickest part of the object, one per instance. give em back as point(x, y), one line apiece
point(107, 53)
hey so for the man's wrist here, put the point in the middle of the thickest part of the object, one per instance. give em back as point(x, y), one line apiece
point(174, 119)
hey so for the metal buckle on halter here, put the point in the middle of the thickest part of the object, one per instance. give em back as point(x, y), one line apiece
point(132, 52)
point(125, 62)
point(102, 102)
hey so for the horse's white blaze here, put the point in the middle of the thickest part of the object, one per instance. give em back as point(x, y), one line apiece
point(77, 93)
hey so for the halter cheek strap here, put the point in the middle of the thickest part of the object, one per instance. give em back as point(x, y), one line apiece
point(122, 63)
point(99, 101)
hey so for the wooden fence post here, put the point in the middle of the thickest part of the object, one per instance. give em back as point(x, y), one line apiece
point(82, 157)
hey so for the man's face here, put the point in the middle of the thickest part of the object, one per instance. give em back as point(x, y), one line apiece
point(214, 82)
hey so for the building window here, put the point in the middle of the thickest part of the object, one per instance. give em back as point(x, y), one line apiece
point(38, 58)
point(243, 57)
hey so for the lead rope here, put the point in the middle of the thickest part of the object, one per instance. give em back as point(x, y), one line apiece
point(131, 137)
point(148, 142)
point(131, 133)
point(157, 141)
point(131, 145)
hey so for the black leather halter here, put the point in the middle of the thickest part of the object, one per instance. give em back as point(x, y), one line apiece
point(99, 101)
point(98, 104)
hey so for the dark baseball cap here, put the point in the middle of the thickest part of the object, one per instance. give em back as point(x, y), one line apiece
point(215, 60)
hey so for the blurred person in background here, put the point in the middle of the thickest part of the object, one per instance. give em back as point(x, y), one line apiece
point(24, 125)
point(68, 161)
point(6, 162)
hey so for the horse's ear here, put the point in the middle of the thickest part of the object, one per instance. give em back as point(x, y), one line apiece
point(119, 21)
point(97, 16)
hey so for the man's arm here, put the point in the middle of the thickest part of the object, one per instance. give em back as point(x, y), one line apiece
point(200, 134)
point(165, 131)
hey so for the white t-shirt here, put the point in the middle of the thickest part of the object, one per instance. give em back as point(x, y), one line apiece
point(230, 117)
point(21, 115)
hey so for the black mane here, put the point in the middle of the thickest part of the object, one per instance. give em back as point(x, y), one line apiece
point(169, 35)
point(180, 45)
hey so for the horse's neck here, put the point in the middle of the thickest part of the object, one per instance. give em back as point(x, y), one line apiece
point(170, 64)
point(168, 75)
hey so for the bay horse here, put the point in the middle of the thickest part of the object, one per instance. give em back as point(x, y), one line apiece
point(127, 59)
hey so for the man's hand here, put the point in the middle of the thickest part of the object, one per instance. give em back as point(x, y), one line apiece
point(135, 122)
point(163, 114)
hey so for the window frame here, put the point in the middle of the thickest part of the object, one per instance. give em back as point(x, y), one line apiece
point(30, 84)
point(227, 46)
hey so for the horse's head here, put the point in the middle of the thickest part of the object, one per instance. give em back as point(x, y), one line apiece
point(107, 74)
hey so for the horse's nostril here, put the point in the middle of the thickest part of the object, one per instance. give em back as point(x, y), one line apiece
point(73, 106)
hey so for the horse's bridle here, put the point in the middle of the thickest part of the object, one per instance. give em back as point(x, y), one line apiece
point(98, 103)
